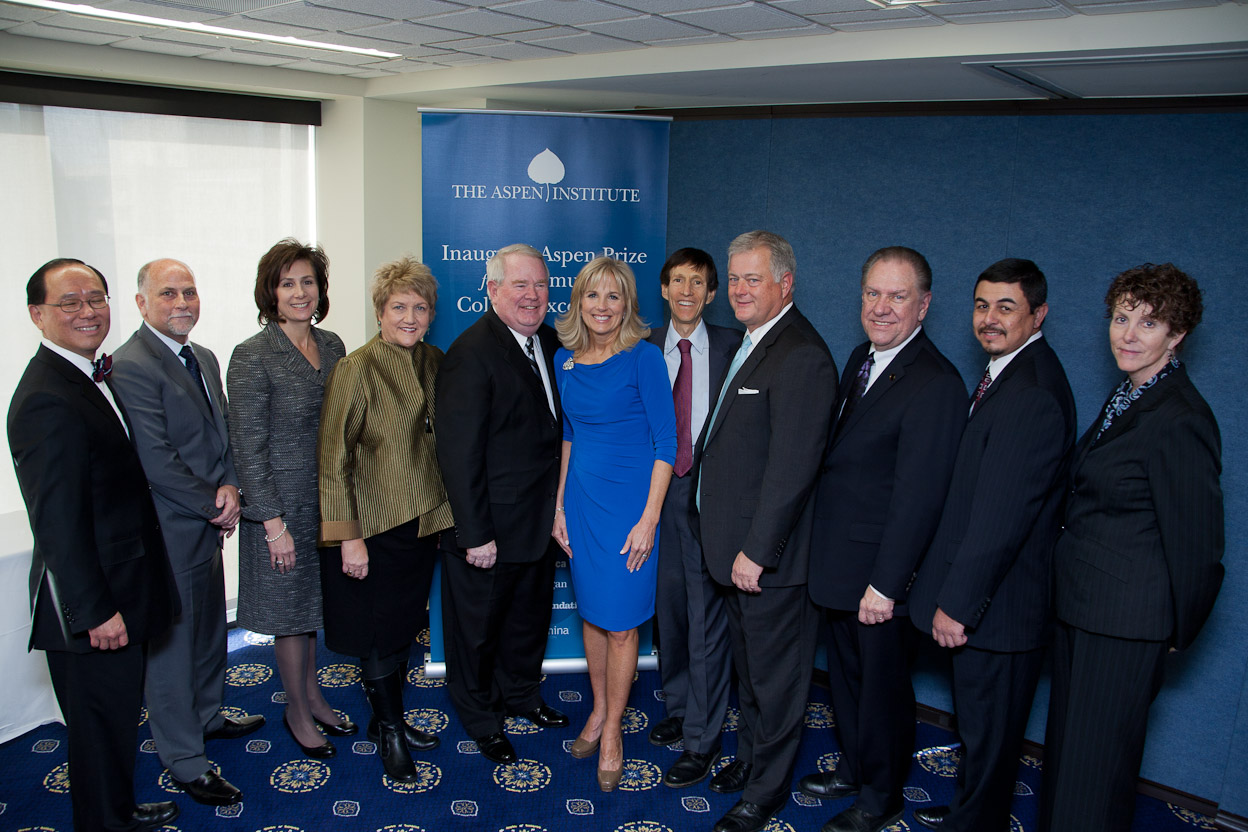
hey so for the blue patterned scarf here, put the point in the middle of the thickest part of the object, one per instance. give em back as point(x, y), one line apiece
point(1124, 396)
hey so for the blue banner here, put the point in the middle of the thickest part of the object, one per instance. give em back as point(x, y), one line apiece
point(572, 186)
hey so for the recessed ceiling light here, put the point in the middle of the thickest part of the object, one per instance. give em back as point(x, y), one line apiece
point(202, 28)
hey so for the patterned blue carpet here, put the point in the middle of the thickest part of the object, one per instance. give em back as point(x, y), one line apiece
point(547, 791)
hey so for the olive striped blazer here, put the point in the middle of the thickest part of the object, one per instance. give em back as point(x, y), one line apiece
point(378, 466)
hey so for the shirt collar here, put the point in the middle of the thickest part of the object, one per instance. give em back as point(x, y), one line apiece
point(890, 353)
point(699, 338)
point(761, 332)
point(169, 342)
point(81, 362)
point(998, 364)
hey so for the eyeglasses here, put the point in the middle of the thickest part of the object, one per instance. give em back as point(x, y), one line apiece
point(73, 307)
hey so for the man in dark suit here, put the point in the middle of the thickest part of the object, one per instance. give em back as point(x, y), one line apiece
point(499, 438)
point(694, 654)
point(100, 586)
point(902, 410)
point(172, 390)
point(983, 590)
point(762, 449)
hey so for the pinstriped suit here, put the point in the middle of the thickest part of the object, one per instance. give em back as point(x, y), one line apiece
point(1138, 568)
point(989, 569)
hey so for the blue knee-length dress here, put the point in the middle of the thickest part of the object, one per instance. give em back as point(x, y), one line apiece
point(620, 418)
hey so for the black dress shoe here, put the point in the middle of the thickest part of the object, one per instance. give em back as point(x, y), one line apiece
point(232, 729)
point(828, 785)
point(667, 731)
point(316, 752)
point(211, 789)
point(932, 818)
point(155, 815)
point(498, 748)
point(854, 819)
point(346, 728)
point(691, 767)
point(747, 817)
point(732, 779)
point(416, 739)
point(545, 716)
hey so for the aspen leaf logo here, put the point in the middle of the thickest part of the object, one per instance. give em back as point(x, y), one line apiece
point(546, 168)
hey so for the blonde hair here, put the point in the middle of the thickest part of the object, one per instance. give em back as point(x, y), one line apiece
point(406, 274)
point(571, 327)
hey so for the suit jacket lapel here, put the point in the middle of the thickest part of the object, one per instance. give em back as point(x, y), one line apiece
point(757, 354)
point(896, 370)
point(176, 369)
point(518, 361)
point(1025, 355)
point(86, 387)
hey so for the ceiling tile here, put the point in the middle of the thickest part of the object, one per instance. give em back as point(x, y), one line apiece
point(321, 66)
point(167, 11)
point(401, 32)
point(22, 14)
point(163, 47)
point(463, 59)
point(264, 27)
point(588, 44)
point(460, 44)
point(987, 11)
point(318, 17)
point(709, 37)
point(1117, 6)
point(108, 27)
point(893, 23)
point(483, 22)
point(871, 14)
point(645, 29)
point(402, 65)
point(743, 18)
point(802, 32)
point(243, 56)
point(38, 30)
point(372, 73)
point(394, 9)
point(511, 51)
point(668, 6)
point(816, 8)
point(566, 14)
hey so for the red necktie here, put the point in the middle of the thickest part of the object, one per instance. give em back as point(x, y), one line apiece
point(981, 389)
point(682, 394)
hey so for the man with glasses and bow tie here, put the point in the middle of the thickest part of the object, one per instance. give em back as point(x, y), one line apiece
point(983, 591)
point(173, 395)
point(902, 410)
point(100, 586)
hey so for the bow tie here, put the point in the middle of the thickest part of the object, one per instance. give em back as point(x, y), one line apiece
point(102, 368)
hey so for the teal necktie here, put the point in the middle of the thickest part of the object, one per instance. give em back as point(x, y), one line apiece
point(737, 360)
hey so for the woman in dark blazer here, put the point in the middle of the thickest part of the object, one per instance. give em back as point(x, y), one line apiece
point(1138, 566)
point(276, 383)
point(383, 500)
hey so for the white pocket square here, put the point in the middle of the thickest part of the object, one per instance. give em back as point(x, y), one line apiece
point(746, 391)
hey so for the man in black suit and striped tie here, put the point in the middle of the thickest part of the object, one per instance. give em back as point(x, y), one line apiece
point(983, 591)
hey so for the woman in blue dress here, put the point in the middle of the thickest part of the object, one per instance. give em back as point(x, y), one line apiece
point(619, 443)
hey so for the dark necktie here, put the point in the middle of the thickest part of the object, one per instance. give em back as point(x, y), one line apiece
point(102, 368)
point(192, 367)
point(984, 383)
point(682, 394)
point(860, 387)
point(528, 348)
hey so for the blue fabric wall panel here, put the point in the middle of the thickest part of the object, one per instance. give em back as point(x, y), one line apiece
point(1085, 197)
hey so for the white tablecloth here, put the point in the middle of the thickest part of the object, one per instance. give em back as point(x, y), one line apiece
point(26, 696)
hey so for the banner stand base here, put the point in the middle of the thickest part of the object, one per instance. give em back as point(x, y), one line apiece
point(437, 670)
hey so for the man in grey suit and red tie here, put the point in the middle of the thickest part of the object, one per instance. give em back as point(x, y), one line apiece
point(983, 590)
point(694, 653)
point(883, 486)
point(762, 449)
point(499, 439)
point(100, 586)
point(172, 392)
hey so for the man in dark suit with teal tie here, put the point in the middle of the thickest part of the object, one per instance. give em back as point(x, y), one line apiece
point(762, 449)
point(100, 585)
point(983, 590)
point(694, 653)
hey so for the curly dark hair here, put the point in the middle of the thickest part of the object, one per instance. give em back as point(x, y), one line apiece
point(282, 256)
point(1175, 297)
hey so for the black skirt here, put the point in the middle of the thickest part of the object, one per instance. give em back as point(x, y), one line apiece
point(388, 608)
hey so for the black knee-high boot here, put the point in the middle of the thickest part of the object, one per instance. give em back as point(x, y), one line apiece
point(385, 696)
point(416, 739)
